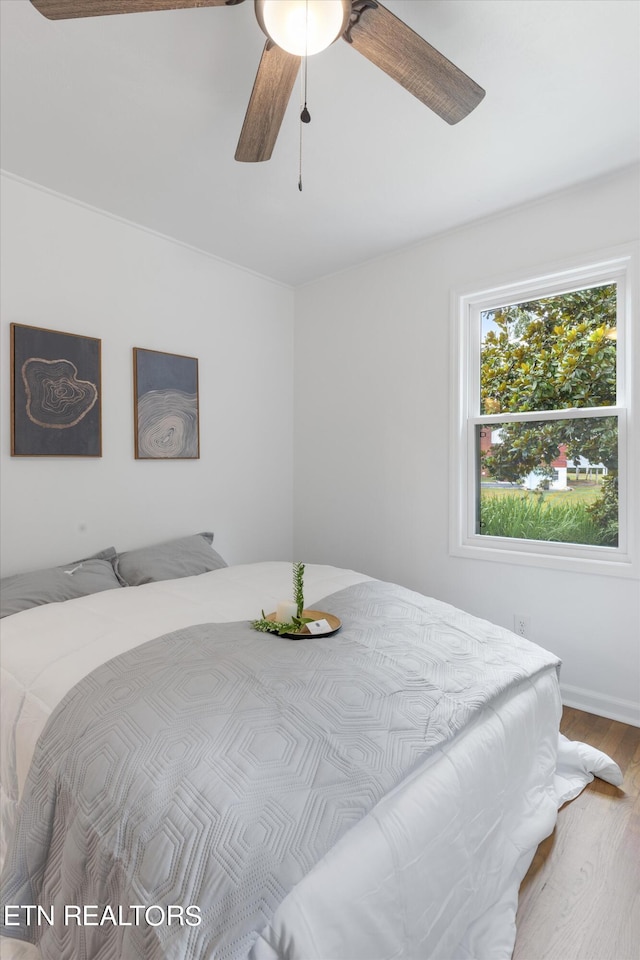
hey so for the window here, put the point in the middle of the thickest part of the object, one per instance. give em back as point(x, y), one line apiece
point(541, 444)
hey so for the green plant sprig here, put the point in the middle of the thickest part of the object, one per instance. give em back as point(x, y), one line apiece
point(297, 623)
point(298, 588)
point(272, 626)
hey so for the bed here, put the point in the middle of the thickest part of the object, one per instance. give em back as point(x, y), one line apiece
point(177, 785)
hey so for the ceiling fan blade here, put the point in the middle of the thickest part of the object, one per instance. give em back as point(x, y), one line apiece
point(69, 9)
point(381, 37)
point(269, 99)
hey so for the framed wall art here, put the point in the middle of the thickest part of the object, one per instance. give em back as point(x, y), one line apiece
point(56, 394)
point(166, 417)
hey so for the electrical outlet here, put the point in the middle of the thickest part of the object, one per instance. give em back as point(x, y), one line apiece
point(520, 625)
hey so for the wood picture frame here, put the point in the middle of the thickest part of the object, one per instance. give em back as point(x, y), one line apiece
point(56, 393)
point(166, 406)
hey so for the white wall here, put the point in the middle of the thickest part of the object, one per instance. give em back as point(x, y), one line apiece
point(66, 267)
point(371, 470)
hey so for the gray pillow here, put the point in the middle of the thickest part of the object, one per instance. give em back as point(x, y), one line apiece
point(53, 585)
point(171, 560)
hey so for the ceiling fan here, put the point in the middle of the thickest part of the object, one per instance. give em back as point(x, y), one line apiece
point(366, 25)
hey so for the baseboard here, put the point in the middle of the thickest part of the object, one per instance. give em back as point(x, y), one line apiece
point(626, 711)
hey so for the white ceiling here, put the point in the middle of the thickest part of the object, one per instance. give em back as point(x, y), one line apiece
point(139, 115)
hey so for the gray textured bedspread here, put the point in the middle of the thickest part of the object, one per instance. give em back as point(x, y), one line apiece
point(213, 768)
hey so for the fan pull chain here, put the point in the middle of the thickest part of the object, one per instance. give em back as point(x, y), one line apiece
point(300, 163)
point(305, 116)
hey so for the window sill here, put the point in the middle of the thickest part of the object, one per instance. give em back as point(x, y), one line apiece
point(556, 556)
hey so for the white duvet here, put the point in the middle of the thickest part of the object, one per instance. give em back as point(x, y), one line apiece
point(461, 831)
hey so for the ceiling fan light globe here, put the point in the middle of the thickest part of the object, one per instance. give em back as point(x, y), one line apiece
point(303, 27)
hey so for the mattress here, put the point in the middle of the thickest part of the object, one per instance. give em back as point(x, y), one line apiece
point(431, 871)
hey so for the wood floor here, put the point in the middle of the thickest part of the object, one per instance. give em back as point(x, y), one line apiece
point(581, 897)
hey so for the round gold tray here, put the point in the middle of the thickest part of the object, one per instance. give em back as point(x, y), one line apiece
point(333, 622)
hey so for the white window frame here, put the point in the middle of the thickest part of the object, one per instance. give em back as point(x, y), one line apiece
point(621, 267)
